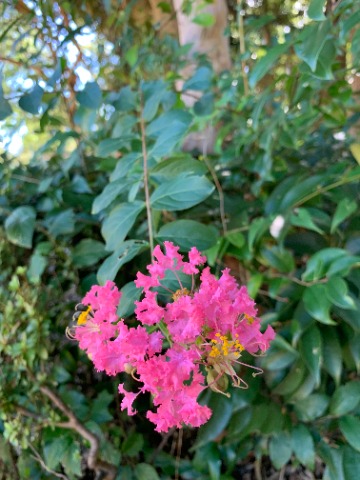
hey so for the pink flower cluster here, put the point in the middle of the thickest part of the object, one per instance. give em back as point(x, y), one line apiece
point(179, 348)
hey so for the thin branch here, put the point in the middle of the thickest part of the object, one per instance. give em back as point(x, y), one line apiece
point(38, 458)
point(94, 463)
point(146, 179)
point(303, 283)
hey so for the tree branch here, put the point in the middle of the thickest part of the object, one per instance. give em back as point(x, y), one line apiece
point(93, 462)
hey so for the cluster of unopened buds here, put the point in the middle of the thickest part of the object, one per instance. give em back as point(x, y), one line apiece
point(191, 341)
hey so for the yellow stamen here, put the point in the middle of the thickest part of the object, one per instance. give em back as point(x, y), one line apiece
point(182, 292)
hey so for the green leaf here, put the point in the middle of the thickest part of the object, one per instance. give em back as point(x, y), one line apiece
point(221, 413)
point(62, 223)
point(123, 254)
point(292, 381)
point(332, 458)
point(88, 252)
point(345, 208)
point(345, 399)
point(303, 446)
point(119, 222)
point(278, 258)
point(313, 39)
point(316, 10)
point(318, 265)
point(131, 55)
point(310, 350)
point(90, 97)
point(144, 471)
point(201, 80)
point(37, 266)
point(168, 139)
point(154, 92)
point(30, 102)
point(166, 120)
point(100, 407)
point(204, 19)
point(173, 167)
point(108, 195)
point(311, 407)
point(130, 294)
point(332, 355)
point(280, 449)
point(351, 463)
point(110, 145)
point(302, 218)
point(187, 234)
point(181, 193)
point(337, 293)
point(263, 66)
point(317, 304)
point(133, 444)
point(20, 225)
point(5, 108)
point(54, 451)
point(350, 428)
point(257, 229)
point(205, 105)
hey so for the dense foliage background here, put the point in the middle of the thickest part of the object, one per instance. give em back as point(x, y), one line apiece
point(90, 114)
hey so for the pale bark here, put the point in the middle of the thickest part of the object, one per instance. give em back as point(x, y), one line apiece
point(210, 41)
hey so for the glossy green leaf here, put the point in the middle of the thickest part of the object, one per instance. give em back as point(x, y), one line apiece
point(91, 96)
point(292, 380)
point(187, 234)
point(257, 229)
point(88, 252)
point(119, 222)
point(125, 252)
point(310, 350)
point(345, 208)
point(317, 304)
point(311, 407)
point(345, 399)
point(130, 294)
point(350, 428)
point(303, 445)
point(318, 265)
point(331, 352)
point(337, 293)
point(108, 195)
point(20, 225)
point(316, 10)
point(30, 102)
point(280, 449)
point(312, 41)
point(181, 193)
point(302, 218)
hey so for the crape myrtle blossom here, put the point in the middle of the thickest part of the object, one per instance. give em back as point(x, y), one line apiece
point(178, 348)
